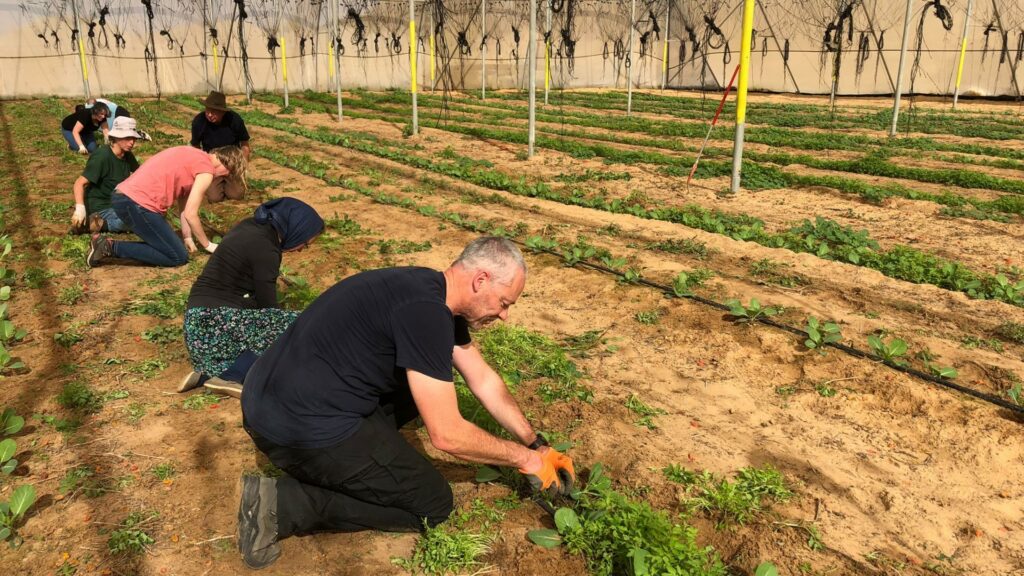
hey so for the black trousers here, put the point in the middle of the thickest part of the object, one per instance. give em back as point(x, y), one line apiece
point(372, 480)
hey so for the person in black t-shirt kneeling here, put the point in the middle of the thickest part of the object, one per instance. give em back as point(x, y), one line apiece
point(232, 314)
point(218, 126)
point(326, 400)
point(79, 127)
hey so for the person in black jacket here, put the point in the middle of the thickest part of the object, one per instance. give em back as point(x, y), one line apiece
point(232, 314)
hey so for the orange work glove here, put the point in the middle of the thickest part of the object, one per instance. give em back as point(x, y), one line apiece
point(556, 472)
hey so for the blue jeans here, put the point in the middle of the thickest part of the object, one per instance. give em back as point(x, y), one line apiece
point(160, 245)
point(113, 221)
point(88, 139)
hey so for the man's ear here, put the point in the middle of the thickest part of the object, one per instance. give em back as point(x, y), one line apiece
point(479, 278)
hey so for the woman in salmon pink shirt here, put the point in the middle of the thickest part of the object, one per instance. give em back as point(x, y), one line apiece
point(179, 176)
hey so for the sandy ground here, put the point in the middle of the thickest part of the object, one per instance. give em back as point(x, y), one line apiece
point(899, 476)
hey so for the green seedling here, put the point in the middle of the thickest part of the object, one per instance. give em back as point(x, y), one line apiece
point(71, 295)
point(685, 282)
point(738, 501)
point(576, 254)
point(751, 313)
point(819, 335)
point(648, 316)
point(1015, 393)
point(200, 401)
point(613, 263)
point(150, 368)
point(645, 412)
point(164, 471)
point(163, 334)
point(889, 351)
point(167, 304)
point(344, 226)
point(676, 473)
point(10, 422)
point(298, 293)
point(766, 569)
point(13, 510)
point(68, 338)
point(541, 244)
point(631, 275)
point(8, 463)
point(130, 538)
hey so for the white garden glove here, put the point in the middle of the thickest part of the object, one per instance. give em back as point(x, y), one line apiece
point(83, 150)
point(211, 246)
point(78, 218)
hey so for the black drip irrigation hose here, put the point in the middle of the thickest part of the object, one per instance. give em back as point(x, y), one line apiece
point(796, 331)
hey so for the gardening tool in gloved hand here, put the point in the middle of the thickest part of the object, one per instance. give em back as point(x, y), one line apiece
point(556, 474)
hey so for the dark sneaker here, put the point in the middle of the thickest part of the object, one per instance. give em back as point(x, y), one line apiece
point(190, 381)
point(99, 248)
point(96, 223)
point(257, 522)
point(229, 387)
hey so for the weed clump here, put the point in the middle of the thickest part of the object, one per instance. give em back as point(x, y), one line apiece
point(731, 501)
point(1011, 331)
point(77, 395)
point(518, 355)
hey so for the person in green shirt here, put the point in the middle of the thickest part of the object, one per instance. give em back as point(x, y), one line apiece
point(107, 167)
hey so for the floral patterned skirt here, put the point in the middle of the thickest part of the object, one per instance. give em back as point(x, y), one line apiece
point(215, 337)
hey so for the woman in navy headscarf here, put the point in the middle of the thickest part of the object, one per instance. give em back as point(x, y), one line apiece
point(232, 314)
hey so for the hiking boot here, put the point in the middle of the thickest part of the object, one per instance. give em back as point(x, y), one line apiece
point(257, 522)
point(190, 381)
point(229, 387)
point(100, 247)
point(96, 223)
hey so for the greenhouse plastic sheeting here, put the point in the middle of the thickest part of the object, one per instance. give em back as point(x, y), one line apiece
point(799, 46)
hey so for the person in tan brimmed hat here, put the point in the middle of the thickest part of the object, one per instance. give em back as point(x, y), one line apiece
point(107, 167)
point(218, 126)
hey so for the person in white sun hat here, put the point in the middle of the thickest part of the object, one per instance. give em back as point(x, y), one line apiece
point(107, 167)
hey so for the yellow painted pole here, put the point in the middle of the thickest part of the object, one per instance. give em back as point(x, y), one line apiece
point(963, 51)
point(413, 56)
point(330, 59)
point(547, 69)
point(664, 62)
point(741, 93)
point(284, 69)
point(433, 61)
point(216, 57)
point(81, 54)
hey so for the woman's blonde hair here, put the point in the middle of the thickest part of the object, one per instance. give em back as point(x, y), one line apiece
point(233, 158)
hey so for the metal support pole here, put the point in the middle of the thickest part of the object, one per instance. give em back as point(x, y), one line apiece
point(963, 52)
point(899, 73)
point(629, 62)
point(412, 68)
point(664, 47)
point(547, 53)
point(531, 59)
point(336, 33)
point(483, 49)
point(81, 50)
point(433, 58)
point(741, 93)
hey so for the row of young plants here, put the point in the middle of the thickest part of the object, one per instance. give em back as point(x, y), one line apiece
point(767, 135)
point(975, 125)
point(13, 509)
point(757, 164)
point(823, 238)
